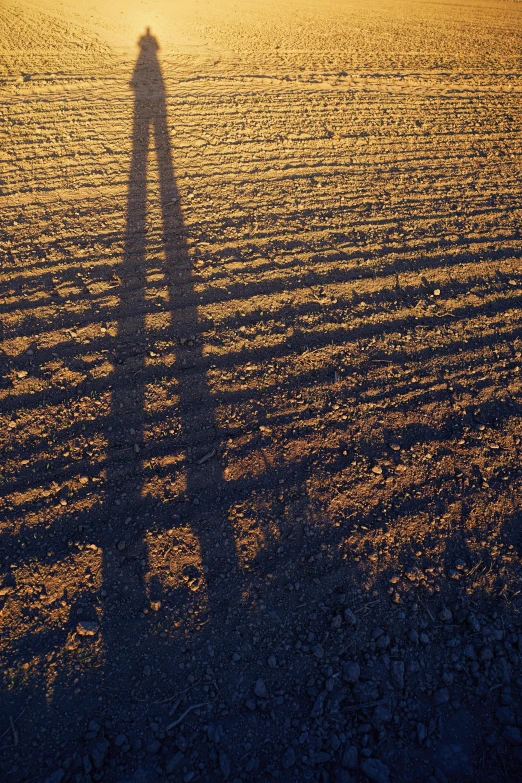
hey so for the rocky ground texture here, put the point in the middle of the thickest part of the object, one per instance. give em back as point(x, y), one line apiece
point(260, 391)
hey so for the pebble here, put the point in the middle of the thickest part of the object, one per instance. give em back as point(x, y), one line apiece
point(289, 758)
point(56, 776)
point(512, 735)
point(376, 771)
point(317, 709)
point(342, 776)
point(173, 763)
point(99, 751)
point(505, 715)
point(260, 689)
point(224, 764)
point(442, 696)
point(87, 628)
point(350, 757)
point(351, 671)
point(397, 674)
point(349, 617)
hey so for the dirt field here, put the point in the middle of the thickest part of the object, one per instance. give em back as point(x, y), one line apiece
point(260, 391)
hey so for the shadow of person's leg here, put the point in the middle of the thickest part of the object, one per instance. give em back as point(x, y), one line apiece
point(122, 536)
point(205, 485)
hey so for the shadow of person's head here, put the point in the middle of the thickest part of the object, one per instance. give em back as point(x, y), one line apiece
point(147, 42)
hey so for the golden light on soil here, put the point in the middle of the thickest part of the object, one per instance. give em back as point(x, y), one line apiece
point(260, 393)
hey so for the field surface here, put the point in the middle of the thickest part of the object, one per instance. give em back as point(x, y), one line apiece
point(260, 391)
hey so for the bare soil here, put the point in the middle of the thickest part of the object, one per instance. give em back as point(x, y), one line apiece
point(260, 391)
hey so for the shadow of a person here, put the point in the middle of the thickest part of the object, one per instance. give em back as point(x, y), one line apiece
point(125, 565)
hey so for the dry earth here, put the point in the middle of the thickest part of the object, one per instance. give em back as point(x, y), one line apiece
point(260, 393)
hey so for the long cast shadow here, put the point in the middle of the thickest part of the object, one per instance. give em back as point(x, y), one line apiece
point(138, 514)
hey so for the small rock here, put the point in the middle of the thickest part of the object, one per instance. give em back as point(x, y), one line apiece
point(260, 689)
point(383, 641)
point(94, 726)
point(321, 757)
point(469, 652)
point(365, 691)
point(154, 746)
point(272, 661)
point(87, 628)
point(56, 777)
point(512, 735)
point(289, 758)
point(120, 740)
point(224, 764)
point(505, 715)
point(317, 709)
point(349, 617)
point(397, 674)
point(351, 671)
point(442, 696)
point(376, 770)
point(99, 751)
point(318, 651)
point(445, 615)
point(382, 714)
point(173, 763)
point(350, 757)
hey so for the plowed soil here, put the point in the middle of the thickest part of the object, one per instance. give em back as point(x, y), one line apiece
point(260, 391)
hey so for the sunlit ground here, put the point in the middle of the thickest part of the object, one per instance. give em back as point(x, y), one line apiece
point(261, 346)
